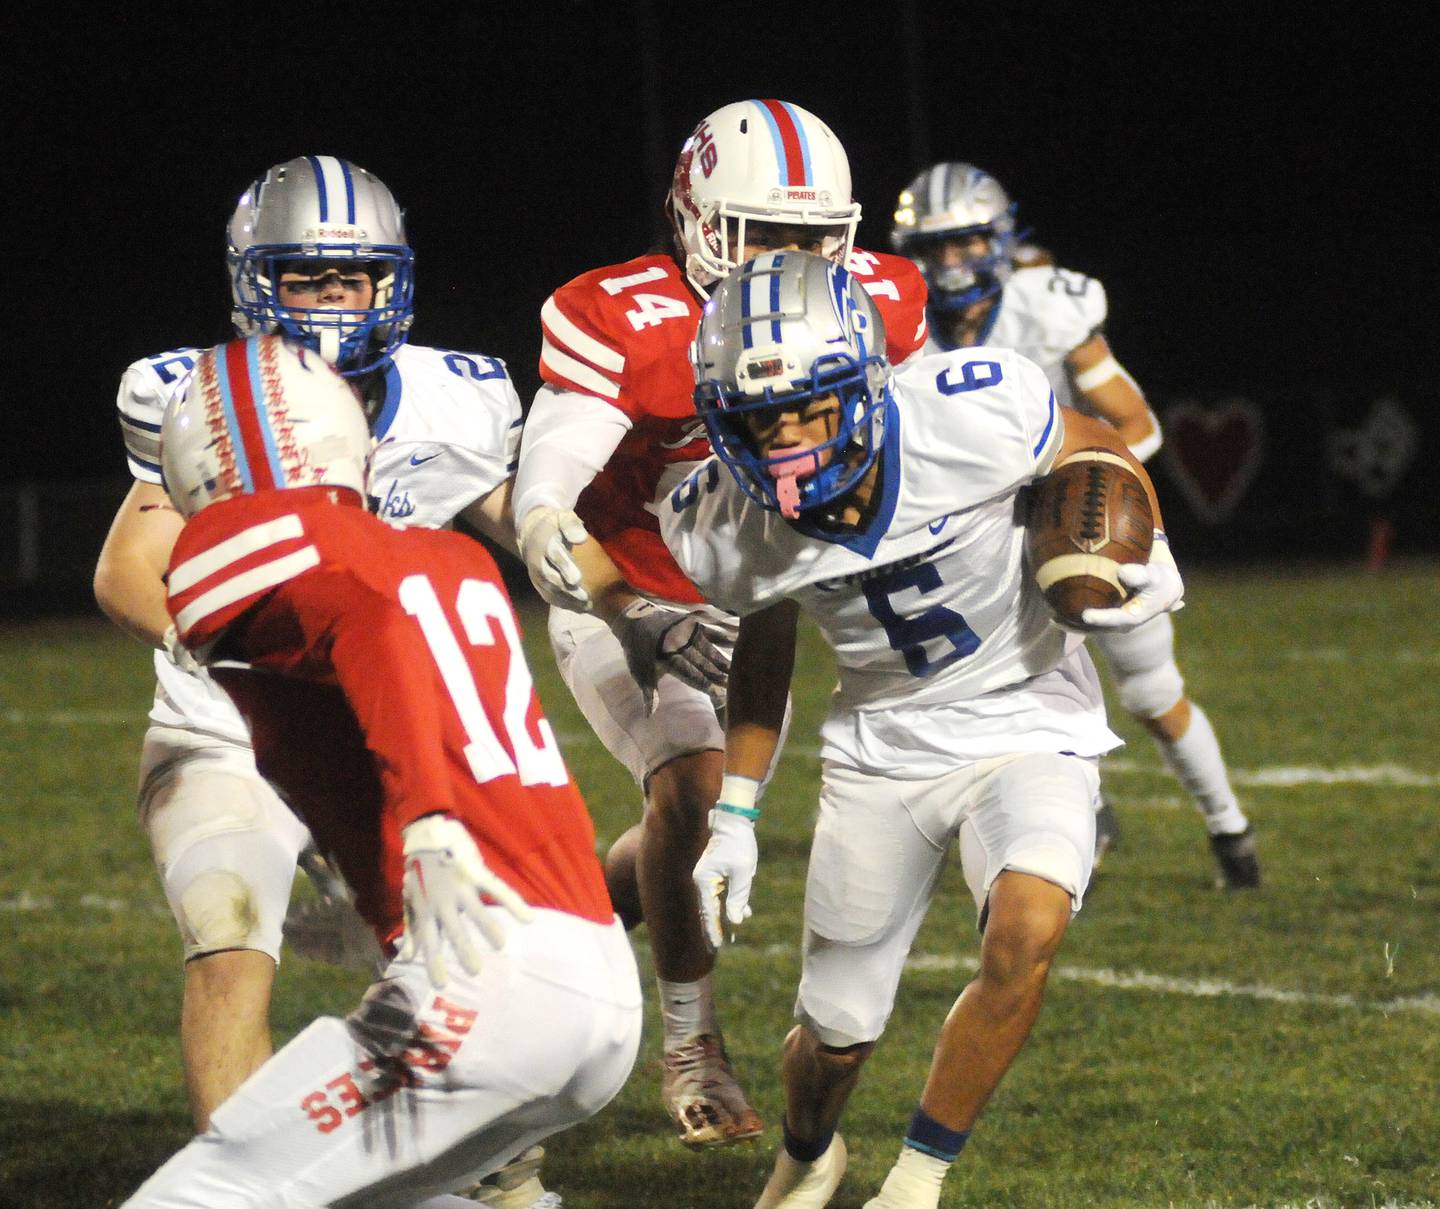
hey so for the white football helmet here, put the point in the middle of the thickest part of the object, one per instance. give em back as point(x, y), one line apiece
point(758, 161)
point(947, 203)
point(322, 209)
point(780, 330)
point(260, 415)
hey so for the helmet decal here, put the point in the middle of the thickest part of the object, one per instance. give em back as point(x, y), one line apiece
point(262, 414)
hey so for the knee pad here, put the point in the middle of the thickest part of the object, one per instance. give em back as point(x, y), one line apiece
point(1147, 679)
point(225, 847)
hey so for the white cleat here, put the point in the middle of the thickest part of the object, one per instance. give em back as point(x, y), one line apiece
point(516, 1185)
point(913, 1183)
point(796, 1185)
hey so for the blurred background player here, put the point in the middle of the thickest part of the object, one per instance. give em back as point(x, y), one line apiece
point(316, 250)
point(612, 430)
point(958, 224)
point(883, 505)
point(382, 677)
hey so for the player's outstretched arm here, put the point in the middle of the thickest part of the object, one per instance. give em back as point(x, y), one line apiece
point(755, 713)
point(129, 575)
point(567, 440)
point(1114, 395)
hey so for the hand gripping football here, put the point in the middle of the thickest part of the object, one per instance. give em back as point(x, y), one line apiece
point(1086, 518)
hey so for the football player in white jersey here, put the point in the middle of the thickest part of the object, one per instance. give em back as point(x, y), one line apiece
point(612, 431)
point(885, 505)
point(317, 250)
point(958, 224)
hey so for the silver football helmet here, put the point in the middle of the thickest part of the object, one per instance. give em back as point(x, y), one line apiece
point(780, 330)
point(260, 415)
point(758, 161)
point(332, 215)
point(957, 224)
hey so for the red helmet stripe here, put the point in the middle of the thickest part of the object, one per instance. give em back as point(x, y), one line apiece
point(249, 425)
point(790, 139)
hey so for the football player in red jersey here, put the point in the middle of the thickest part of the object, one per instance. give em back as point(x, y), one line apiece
point(381, 674)
point(613, 430)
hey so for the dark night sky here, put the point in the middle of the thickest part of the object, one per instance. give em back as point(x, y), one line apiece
point(1249, 192)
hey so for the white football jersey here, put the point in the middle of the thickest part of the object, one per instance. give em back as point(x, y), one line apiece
point(946, 650)
point(1045, 313)
point(447, 433)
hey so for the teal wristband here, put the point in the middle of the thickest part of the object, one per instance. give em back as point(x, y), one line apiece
point(745, 812)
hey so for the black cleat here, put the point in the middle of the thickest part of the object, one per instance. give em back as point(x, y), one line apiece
point(1238, 861)
point(1107, 831)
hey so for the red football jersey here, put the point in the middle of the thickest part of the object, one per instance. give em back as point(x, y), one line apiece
point(622, 334)
point(382, 677)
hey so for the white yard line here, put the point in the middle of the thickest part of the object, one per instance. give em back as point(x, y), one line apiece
point(1288, 777)
point(1427, 1003)
point(1163, 984)
point(72, 717)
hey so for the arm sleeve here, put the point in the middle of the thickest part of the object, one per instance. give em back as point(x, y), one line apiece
point(568, 438)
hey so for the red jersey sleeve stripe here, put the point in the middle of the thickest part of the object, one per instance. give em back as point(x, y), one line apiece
point(233, 549)
point(566, 372)
point(243, 586)
point(565, 333)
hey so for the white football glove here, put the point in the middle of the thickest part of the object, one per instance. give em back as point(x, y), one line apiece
point(180, 653)
point(445, 875)
point(657, 641)
point(1155, 588)
point(724, 875)
point(546, 537)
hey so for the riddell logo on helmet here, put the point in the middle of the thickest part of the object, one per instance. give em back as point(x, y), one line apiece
point(316, 233)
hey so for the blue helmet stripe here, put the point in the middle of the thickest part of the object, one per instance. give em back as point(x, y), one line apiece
point(262, 413)
point(776, 261)
point(232, 424)
point(349, 192)
point(747, 337)
point(319, 172)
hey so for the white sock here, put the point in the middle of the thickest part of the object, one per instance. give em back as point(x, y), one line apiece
point(1196, 760)
point(687, 1008)
point(914, 1182)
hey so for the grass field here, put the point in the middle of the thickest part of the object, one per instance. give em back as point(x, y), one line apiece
point(1196, 1049)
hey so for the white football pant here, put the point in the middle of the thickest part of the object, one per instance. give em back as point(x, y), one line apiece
point(421, 1091)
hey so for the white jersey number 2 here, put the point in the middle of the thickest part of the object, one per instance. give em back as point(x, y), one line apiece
point(478, 604)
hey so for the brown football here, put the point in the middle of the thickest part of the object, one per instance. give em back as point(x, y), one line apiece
point(1086, 517)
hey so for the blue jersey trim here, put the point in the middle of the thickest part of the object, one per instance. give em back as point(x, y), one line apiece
point(1049, 428)
point(394, 386)
point(143, 425)
point(865, 541)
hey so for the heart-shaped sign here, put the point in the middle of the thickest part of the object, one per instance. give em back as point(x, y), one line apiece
point(1213, 453)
